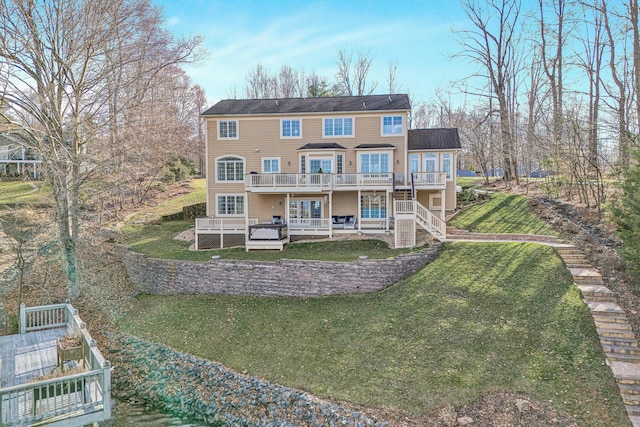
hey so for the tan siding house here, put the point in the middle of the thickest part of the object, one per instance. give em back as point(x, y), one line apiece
point(283, 168)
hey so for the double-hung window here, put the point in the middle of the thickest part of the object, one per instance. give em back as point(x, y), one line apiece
point(342, 126)
point(290, 128)
point(271, 165)
point(230, 169)
point(230, 204)
point(392, 125)
point(227, 129)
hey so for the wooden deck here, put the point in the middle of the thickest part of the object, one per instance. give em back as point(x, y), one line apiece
point(28, 356)
point(65, 399)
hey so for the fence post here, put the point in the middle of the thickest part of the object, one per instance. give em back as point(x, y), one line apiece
point(23, 319)
point(106, 388)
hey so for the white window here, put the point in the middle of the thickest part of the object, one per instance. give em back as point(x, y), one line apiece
point(290, 128)
point(227, 129)
point(271, 165)
point(430, 162)
point(230, 169)
point(392, 125)
point(230, 204)
point(303, 164)
point(373, 206)
point(446, 164)
point(338, 127)
point(374, 162)
point(339, 163)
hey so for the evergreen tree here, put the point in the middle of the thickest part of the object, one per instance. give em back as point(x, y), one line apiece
point(626, 212)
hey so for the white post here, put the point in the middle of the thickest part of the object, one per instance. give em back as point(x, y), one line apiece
point(23, 319)
point(106, 388)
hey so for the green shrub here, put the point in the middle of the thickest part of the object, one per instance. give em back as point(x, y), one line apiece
point(467, 195)
point(179, 170)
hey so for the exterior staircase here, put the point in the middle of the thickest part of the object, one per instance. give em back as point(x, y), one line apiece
point(616, 335)
point(617, 338)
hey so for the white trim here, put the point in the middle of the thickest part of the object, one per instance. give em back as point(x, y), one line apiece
point(236, 215)
point(294, 136)
point(451, 171)
point(353, 128)
point(271, 159)
point(227, 138)
point(402, 129)
point(215, 170)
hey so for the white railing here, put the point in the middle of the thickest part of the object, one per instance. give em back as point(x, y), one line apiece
point(430, 179)
point(43, 317)
point(223, 224)
point(434, 225)
point(85, 396)
point(404, 207)
point(322, 181)
point(297, 224)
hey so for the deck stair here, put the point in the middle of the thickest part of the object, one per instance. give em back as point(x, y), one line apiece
point(617, 338)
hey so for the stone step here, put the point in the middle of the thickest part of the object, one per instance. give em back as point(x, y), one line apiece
point(630, 399)
point(618, 341)
point(625, 372)
point(620, 326)
point(629, 388)
point(577, 264)
point(588, 280)
point(568, 249)
point(589, 298)
point(605, 308)
point(635, 420)
point(594, 290)
point(615, 333)
point(631, 358)
point(575, 258)
point(611, 318)
point(621, 349)
point(634, 412)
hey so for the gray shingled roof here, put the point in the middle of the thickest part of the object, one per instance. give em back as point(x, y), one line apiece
point(375, 146)
point(310, 105)
point(322, 146)
point(434, 139)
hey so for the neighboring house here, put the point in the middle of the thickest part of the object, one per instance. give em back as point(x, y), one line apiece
point(15, 158)
point(279, 168)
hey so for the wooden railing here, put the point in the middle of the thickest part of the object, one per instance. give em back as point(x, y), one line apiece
point(436, 226)
point(317, 181)
point(223, 224)
point(429, 179)
point(297, 224)
point(84, 397)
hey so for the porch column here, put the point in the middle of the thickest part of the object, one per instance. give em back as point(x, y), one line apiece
point(359, 210)
point(442, 203)
point(330, 200)
point(286, 215)
point(246, 217)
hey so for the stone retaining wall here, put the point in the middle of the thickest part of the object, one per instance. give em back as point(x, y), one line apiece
point(298, 278)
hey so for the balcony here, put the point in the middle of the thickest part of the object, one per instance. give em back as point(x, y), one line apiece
point(430, 180)
point(317, 182)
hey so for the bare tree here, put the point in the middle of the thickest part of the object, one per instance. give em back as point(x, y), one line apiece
point(392, 78)
point(352, 75)
point(60, 62)
point(492, 44)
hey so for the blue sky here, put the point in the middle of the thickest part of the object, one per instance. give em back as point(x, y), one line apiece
point(416, 35)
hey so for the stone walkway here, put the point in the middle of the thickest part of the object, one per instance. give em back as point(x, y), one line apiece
point(614, 330)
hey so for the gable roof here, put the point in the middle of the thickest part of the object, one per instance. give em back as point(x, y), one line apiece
point(310, 105)
point(434, 139)
point(322, 146)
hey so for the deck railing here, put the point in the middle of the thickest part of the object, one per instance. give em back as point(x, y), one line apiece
point(309, 224)
point(429, 179)
point(435, 225)
point(317, 181)
point(223, 224)
point(84, 397)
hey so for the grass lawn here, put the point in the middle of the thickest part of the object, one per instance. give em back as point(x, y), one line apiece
point(481, 318)
point(504, 213)
point(21, 192)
